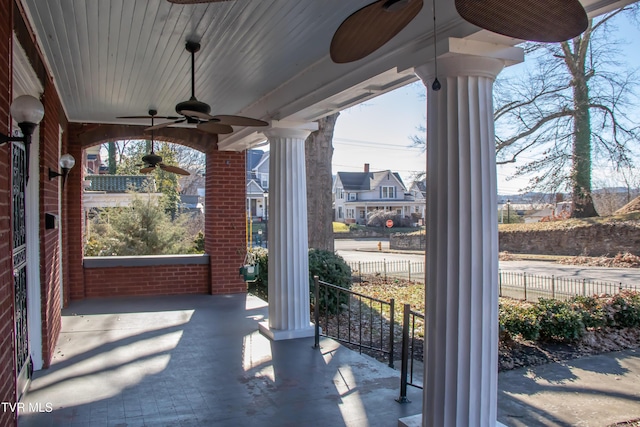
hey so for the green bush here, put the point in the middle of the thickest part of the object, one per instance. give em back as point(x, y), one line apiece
point(558, 320)
point(519, 320)
point(591, 309)
point(626, 309)
point(331, 268)
point(328, 266)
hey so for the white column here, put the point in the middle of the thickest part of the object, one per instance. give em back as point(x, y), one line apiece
point(288, 238)
point(461, 362)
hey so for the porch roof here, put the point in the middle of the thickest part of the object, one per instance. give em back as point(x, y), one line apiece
point(267, 59)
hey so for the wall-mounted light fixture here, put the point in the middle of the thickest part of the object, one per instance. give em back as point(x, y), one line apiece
point(66, 163)
point(28, 112)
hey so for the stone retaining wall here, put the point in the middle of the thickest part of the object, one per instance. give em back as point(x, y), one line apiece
point(595, 240)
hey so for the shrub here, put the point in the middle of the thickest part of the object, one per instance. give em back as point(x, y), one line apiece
point(331, 268)
point(626, 309)
point(559, 321)
point(328, 266)
point(519, 320)
point(591, 309)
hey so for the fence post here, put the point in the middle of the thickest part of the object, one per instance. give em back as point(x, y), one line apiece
point(384, 260)
point(409, 270)
point(392, 304)
point(525, 285)
point(360, 270)
point(553, 287)
point(499, 283)
point(584, 287)
point(404, 370)
point(316, 310)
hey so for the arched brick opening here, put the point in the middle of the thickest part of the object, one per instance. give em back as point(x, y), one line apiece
point(225, 233)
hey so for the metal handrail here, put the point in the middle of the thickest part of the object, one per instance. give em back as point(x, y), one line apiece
point(408, 352)
point(383, 343)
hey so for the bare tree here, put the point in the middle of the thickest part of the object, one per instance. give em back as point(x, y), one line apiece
point(568, 109)
point(318, 155)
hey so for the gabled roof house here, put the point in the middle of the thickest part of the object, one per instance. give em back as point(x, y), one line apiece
point(358, 194)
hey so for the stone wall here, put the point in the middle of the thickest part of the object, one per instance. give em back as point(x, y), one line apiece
point(412, 242)
point(595, 240)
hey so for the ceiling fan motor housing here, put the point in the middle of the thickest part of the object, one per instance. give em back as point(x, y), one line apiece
point(193, 105)
point(152, 159)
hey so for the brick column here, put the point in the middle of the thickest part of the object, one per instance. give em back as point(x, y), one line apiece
point(74, 217)
point(225, 222)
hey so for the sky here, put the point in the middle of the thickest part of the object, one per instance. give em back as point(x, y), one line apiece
point(379, 131)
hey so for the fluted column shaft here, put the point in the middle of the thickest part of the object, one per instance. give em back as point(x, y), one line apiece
point(462, 250)
point(288, 238)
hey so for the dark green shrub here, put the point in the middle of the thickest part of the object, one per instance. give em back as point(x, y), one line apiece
point(591, 309)
point(328, 266)
point(626, 309)
point(331, 268)
point(558, 320)
point(519, 320)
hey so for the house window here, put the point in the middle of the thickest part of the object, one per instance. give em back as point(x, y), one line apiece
point(351, 213)
point(361, 214)
point(388, 192)
point(339, 193)
point(352, 196)
point(340, 214)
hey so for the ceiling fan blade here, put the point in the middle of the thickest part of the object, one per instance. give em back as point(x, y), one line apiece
point(149, 117)
point(369, 28)
point(239, 121)
point(163, 125)
point(197, 114)
point(173, 169)
point(542, 21)
point(147, 169)
point(194, 1)
point(213, 127)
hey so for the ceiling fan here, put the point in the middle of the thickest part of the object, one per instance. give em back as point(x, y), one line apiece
point(152, 160)
point(197, 112)
point(372, 26)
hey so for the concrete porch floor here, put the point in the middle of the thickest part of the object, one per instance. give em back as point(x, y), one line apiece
point(199, 361)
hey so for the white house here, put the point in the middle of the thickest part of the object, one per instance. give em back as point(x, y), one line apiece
point(357, 194)
point(257, 183)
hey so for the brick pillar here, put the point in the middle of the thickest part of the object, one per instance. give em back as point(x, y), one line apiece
point(225, 222)
point(7, 364)
point(74, 218)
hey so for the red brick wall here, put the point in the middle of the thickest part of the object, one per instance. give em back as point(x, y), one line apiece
point(225, 222)
point(147, 280)
point(7, 364)
point(74, 219)
point(49, 244)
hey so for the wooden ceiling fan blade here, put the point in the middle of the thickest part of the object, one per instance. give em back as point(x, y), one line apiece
point(149, 117)
point(173, 169)
point(371, 27)
point(540, 20)
point(197, 114)
point(194, 1)
point(213, 127)
point(163, 125)
point(239, 120)
point(147, 169)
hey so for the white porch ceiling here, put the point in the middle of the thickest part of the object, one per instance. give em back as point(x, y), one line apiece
point(268, 59)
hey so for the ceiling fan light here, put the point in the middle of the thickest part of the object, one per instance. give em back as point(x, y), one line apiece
point(534, 20)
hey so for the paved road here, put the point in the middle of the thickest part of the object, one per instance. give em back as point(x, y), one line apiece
point(354, 250)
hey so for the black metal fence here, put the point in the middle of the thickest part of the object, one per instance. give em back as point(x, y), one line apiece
point(411, 270)
point(530, 287)
point(358, 320)
point(412, 351)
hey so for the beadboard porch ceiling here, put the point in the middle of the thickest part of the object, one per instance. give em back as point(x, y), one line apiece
point(267, 59)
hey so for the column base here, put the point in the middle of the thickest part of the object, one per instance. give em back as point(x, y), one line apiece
point(285, 334)
point(416, 421)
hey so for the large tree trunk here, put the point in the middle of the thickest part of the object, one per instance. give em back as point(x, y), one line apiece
point(582, 201)
point(111, 148)
point(318, 155)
